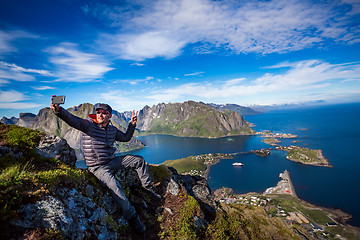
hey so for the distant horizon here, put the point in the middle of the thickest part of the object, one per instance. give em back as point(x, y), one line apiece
point(135, 53)
point(265, 108)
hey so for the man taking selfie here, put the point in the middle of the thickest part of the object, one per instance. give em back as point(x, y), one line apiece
point(97, 144)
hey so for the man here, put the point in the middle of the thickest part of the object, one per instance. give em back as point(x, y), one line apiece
point(97, 144)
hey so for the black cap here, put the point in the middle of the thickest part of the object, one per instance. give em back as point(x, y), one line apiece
point(103, 106)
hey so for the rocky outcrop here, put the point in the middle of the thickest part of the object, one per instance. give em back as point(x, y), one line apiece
point(51, 146)
point(26, 119)
point(197, 187)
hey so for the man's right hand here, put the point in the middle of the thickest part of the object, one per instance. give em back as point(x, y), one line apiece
point(54, 107)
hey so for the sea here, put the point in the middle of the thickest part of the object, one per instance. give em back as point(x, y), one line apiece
point(334, 129)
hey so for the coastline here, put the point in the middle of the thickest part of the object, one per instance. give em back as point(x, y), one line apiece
point(207, 170)
point(225, 136)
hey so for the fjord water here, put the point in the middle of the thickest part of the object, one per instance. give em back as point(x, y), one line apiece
point(333, 129)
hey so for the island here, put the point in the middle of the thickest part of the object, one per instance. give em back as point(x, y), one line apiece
point(298, 154)
point(305, 156)
point(262, 152)
point(269, 134)
point(271, 141)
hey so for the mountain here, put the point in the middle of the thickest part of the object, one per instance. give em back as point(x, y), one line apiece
point(6, 120)
point(191, 119)
point(26, 119)
point(234, 107)
point(266, 108)
point(44, 196)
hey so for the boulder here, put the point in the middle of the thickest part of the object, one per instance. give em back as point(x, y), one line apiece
point(51, 146)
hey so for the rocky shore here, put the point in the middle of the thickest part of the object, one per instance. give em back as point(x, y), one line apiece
point(305, 156)
point(262, 152)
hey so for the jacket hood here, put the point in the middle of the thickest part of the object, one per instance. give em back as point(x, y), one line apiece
point(93, 117)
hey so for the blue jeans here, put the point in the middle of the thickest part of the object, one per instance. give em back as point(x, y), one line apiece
point(105, 173)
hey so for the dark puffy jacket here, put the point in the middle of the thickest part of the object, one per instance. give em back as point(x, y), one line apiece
point(97, 141)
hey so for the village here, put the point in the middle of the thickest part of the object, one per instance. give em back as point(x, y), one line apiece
point(269, 201)
point(269, 134)
point(207, 160)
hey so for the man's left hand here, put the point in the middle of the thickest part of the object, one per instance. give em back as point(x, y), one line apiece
point(134, 117)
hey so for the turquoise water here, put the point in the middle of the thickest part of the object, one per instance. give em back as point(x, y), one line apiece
point(333, 129)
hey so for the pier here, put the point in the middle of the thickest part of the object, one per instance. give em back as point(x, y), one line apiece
point(284, 186)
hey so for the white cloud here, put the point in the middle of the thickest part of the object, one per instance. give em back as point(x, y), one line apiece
point(122, 102)
point(13, 99)
point(18, 105)
point(15, 68)
point(163, 28)
point(301, 76)
point(14, 72)
point(75, 66)
point(7, 37)
point(142, 46)
point(137, 64)
point(294, 81)
point(43, 88)
point(7, 73)
point(194, 74)
point(135, 81)
point(11, 96)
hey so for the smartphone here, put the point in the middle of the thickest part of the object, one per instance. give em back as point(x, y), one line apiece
point(58, 100)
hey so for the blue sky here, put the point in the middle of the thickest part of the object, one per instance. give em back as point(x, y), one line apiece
point(135, 53)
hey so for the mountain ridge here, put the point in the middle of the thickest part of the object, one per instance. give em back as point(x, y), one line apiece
point(188, 119)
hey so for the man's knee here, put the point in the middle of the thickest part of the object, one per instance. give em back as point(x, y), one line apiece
point(139, 161)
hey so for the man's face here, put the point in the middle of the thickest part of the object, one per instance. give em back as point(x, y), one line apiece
point(102, 116)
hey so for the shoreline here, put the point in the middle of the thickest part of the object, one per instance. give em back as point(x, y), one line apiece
point(283, 202)
point(234, 135)
point(207, 170)
point(222, 156)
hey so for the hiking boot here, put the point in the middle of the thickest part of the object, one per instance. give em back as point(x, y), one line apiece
point(151, 191)
point(137, 224)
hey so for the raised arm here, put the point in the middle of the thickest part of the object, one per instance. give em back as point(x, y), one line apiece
point(125, 137)
point(73, 121)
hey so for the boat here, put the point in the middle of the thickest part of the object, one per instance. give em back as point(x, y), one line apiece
point(238, 164)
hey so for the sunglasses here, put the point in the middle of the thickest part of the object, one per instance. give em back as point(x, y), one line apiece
point(102, 111)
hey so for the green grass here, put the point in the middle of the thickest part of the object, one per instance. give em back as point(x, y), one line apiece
point(184, 227)
point(299, 153)
point(159, 173)
point(186, 164)
point(291, 204)
point(19, 137)
point(26, 176)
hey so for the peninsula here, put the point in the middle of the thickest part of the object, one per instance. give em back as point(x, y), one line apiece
point(197, 165)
